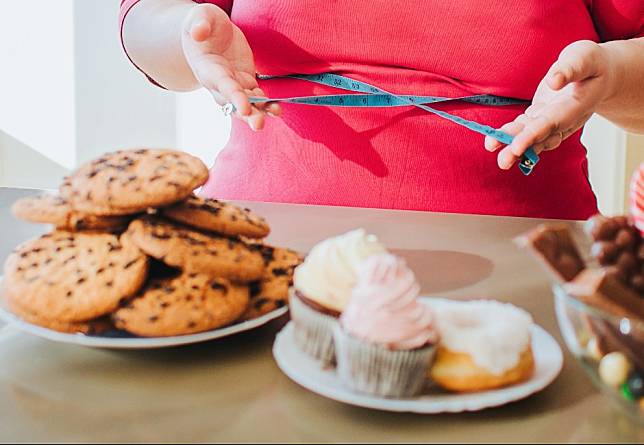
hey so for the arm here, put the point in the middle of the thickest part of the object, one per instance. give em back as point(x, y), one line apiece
point(624, 106)
point(588, 78)
point(183, 46)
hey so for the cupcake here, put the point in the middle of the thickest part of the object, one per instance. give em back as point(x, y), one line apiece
point(322, 287)
point(386, 336)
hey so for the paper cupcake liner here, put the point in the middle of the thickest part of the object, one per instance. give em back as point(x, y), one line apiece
point(313, 330)
point(376, 370)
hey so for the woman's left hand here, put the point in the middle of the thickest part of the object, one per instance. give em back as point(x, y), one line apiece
point(565, 99)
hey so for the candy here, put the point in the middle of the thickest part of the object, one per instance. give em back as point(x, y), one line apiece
point(635, 385)
point(614, 369)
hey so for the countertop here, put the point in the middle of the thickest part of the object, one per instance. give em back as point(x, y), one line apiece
point(231, 390)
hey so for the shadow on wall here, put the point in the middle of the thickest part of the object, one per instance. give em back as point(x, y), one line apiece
point(21, 166)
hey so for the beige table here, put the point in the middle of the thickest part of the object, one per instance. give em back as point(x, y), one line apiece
point(231, 390)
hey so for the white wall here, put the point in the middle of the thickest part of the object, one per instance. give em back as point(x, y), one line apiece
point(37, 76)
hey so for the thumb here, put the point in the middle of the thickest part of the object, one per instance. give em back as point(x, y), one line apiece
point(203, 20)
point(577, 62)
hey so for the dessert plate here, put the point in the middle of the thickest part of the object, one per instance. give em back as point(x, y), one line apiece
point(122, 340)
point(308, 373)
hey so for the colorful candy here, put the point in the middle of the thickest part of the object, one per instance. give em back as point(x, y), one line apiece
point(614, 369)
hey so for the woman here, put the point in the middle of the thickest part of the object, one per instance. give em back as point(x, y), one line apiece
point(570, 58)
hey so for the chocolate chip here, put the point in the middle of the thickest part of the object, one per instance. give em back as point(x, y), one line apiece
point(219, 287)
point(81, 280)
point(109, 283)
point(131, 263)
point(280, 271)
point(153, 319)
point(192, 325)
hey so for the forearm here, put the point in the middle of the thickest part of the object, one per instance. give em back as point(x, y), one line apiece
point(152, 37)
point(624, 104)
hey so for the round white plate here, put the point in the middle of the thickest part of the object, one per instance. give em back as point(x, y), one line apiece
point(307, 372)
point(122, 340)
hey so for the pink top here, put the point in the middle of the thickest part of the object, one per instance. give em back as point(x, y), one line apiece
point(405, 158)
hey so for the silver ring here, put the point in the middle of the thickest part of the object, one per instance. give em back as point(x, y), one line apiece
point(228, 109)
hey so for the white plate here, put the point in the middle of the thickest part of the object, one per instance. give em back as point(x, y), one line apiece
point(307, 372)
point(122, 340)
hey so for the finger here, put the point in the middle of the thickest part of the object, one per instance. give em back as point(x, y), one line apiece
point(511, 128)
point(257, 92)
point(553, 142)
point(233, 92)
point(255, 120)
point(200, 30)
point(536, 130)
point(247, 80)
point(577, 62)
point(274, 109)
point(506, 159)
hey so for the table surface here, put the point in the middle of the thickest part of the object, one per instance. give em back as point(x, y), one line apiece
point(232, 390)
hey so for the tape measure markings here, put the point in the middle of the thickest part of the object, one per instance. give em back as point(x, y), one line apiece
point(383, 98)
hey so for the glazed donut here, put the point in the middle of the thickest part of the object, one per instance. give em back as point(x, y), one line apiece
point(484, 345)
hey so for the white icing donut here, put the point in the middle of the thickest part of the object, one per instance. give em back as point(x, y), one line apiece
point(494, 334)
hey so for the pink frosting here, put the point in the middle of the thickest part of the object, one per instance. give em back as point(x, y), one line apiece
point(384, 308)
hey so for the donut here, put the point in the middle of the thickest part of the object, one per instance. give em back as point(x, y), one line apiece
point(484, 345)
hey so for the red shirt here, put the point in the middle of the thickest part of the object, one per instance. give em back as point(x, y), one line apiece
point(405, 158)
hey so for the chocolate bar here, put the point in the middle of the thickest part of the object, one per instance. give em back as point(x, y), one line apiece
point(553, 245)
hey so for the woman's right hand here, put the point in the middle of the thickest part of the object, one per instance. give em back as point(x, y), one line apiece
point(222, 62)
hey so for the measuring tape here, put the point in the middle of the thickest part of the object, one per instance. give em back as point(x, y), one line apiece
point(372, 96)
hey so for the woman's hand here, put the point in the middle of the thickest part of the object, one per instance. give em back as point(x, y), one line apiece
point(222, 62)
point(566, 98)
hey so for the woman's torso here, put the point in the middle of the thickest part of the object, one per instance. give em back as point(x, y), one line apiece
point(404, 157)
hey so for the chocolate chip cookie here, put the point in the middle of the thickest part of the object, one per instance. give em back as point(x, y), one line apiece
point(74, 276)
point(93, 327)
point(197, 252)
point(218, 216)
point(271, 292)
point(186, 304)
point(127, 182)
point(53, 209)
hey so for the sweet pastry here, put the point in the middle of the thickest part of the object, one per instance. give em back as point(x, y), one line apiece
point(484, 345)
point(271, 292)
point(385, 340)
point(194, 251)
point(323, 286)
point(218, 216)
point(53, 209)
point(73, 277)
point(190, 275)
point(131, 181)
point(186, 304)
point(92, 327)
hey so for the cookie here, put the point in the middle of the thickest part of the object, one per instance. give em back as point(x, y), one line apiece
point(186, 304)
point(217, 216)
point(93, 327)
point(132, 181)
point(53, 209)
point(271, 292)
point(74, 276)
point(193, 251)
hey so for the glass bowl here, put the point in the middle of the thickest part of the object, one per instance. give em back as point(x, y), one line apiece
point(606, 346)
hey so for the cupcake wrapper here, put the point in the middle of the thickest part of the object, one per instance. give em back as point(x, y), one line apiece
point(375, 370)
point(313, 331)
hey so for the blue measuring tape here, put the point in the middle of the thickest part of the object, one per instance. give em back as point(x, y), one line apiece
point(372, 96)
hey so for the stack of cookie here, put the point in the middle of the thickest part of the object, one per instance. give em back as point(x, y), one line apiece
point(134, 249)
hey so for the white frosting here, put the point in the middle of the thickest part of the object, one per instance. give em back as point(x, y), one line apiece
point(329, 272)
point(494, 334)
